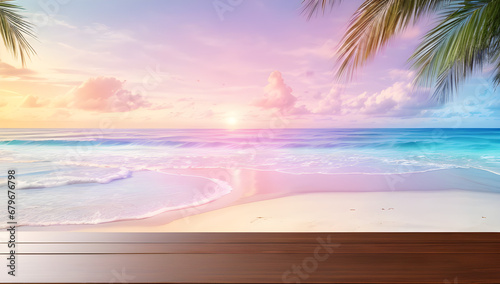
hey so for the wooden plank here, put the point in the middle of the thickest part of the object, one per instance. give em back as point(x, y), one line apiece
point(213, 238)
point(259, 257)
point(241, 268)
point(257, 248)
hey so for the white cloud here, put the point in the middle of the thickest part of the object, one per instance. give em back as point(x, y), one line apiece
point(331, 103)
point(398, 100)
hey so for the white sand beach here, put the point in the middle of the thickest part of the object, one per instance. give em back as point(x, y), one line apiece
point(445, 211)
point(265, 201)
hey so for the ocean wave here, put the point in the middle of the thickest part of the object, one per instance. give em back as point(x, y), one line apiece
point(235, 143)
point(144, 195)
point(297, 171)
point(279, 142)
point(61, 179)
point(118, 142)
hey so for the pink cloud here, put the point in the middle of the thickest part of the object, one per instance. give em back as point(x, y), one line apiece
point(278, 95)
point(106, 94)
point(32, 102)
point(7, 70)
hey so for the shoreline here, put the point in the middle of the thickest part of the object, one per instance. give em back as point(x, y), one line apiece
point(319, 202)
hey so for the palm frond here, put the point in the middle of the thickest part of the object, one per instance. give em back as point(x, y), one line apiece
point(465, 39)
point(13, 29)
point(313, 7)
point(374, 24)
point(496, 76)
point(495, 54)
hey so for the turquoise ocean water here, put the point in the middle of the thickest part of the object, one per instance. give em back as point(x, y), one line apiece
point(88, 176)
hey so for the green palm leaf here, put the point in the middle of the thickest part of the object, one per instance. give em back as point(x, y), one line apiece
point(373, 25)
point(465, 39)
point(13, 29)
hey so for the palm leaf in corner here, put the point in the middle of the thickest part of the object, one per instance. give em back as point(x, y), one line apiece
point(466, 38)
point(14, 28)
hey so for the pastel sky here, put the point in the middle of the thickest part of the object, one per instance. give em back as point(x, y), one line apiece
point(215, 64)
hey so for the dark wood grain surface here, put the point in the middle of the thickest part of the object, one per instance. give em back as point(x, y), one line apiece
point(258, 257)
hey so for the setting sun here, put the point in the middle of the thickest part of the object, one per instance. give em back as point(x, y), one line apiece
point(231, 120)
